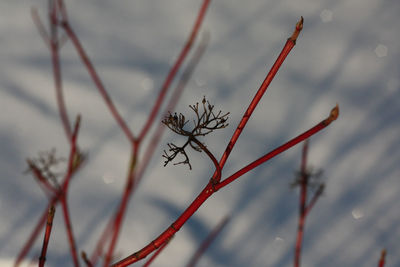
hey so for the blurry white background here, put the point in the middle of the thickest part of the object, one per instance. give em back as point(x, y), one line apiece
point(347, 53)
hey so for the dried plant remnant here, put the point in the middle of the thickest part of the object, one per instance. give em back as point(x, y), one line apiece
point(313, 178)
point(47, 164)
point(205, 122)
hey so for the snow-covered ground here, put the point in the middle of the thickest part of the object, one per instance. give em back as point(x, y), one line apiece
point(348, 53)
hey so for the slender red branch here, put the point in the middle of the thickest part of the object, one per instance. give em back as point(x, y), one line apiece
point(314, 199)
point(206, 243)
point(381, 262)
point(39, 25)
point(333, 115)
point(290, 43)
point(70, 235)
point(210, 188)
point(55, 58)
point(50, 217)
point(72, 165)
point(302, 205)
point(28, 245)
point(211, 156)
point(102, 241)
point(174, 70)
point(186, 75)
point(170, 231)
point(93, 74)
point(122, 207)
point(152, 258)
point(86, 260)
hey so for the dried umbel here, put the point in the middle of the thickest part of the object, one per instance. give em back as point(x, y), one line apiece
point(205, 122)
point(47, 164)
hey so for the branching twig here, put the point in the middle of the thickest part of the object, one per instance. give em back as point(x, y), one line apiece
point(206, 243)
point(381, 262)
point(175, 68)
point(290, 43)
point(50, 217)
point(152, 258)
point(212, 187)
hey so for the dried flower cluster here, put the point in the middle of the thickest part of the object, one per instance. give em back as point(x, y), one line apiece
point(47, 164)
point(313, 179)
point(205, 122)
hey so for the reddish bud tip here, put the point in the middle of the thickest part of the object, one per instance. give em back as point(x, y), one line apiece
point(333, 115)
point(334, 112)
point(299, 27)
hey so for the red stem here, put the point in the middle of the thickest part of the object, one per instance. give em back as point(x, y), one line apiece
point(70, 235)
point(71, 170)
point(206, 243)
point(102, 241)
point(155, 139)
point(333, 115)
point(71, 167)
point(55, 59)
point(36, 231)
point(381, 262)
point(211, 156)
point(174, 70)
point(314, 199)
point(290, 43)
point(93, 74)
point(151, 259)
point(210, 188)
point(302, 206)
point(39, 25)
point(122, 207)
point(86, 260)
point(50, 217)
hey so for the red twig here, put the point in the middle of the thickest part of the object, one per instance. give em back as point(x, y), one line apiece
point(211, 156)
point(72, 165)
point(152, 258)
point(86, 260)
point(102, 241)
point(302, 206)
point(28, 245)
point(290, 43)
point(210, 188)
point(381, 262)
point(206, 243)
point(213, 184)
point(53, 42)
point(155, 139)
point(92, 72)
point(174, 69)
point(122, 207)
point(39, 25)
point(312, 202)
point(333, 115)
point(132, 174)
point(50, 217)
point(54, 48)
